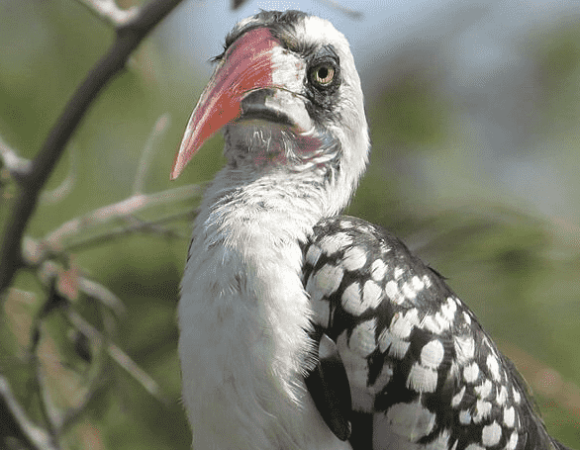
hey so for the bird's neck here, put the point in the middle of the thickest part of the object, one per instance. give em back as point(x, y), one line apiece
point(269, 205)
point(243, 314)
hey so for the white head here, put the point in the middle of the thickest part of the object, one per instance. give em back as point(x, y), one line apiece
point(287, 92)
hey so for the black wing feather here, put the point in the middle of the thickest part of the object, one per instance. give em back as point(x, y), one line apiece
point(421, 369)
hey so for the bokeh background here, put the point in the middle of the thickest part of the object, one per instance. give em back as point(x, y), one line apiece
point(474, 110)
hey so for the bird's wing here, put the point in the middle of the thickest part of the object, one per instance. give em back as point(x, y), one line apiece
point(420, 370)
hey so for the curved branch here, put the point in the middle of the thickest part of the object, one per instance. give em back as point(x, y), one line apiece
point(17, 422)
point(129, 36)
point(17, 166)
point(109, 11)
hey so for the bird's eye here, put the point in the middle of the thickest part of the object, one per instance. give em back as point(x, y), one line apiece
point(322, 74)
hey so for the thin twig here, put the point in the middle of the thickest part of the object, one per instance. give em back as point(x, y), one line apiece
point(137, 227)
point(352, 13)
point(120, 210)
point(34, 251)
point(97, 381)
point(102, 294)
point(33, 436)
point(129, 36)
point(72, 415)
point(17, 166)
point(66, 186)
point(145, 160)
point(49, 271)
point(46, 406)
point(49, 413)
point(109, 11)
point(118, 355)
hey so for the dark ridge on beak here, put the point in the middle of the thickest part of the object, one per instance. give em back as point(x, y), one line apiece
point(254, 107)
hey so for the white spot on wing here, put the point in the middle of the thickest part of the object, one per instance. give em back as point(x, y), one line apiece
point(313, 254)
point(448, 309)
point(471, 372)
point(351, 301)
point(362, 341)
point(372, 294)
point(491, 434)
point(410, 420)
point(422, 379)
point(435, 323)
point(464, 417)
point(354, 258)
point(513, 442)
point(392, 291)
point(517, 396)
point(432, 354)
point(509, 416)
point(417, 284)
point(456, 400)
point(484, 389)
point(327, 347)
point(402, 324)
point(408, 291)
point(378, 270)
point(464, 348)
point(356, 367)
point(333, 243)
point(397, 347)
point(467, 318)
point(325, 282)
point(501, 396)
point(482, 410)
point(382, 380)
point(398, 273)
point(493, 366)
point(474, 447)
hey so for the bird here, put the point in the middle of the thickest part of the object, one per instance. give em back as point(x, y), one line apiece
point(300, 328)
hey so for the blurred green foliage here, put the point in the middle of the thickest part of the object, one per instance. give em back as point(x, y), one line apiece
point(519, 270)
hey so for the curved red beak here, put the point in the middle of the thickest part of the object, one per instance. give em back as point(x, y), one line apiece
point(246, 67)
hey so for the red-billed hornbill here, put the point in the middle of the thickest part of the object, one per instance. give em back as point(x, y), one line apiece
point(301, 329)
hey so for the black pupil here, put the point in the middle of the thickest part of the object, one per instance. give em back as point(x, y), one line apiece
point(322, 73)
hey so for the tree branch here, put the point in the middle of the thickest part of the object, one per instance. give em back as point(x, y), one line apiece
point(66, 186)
point(352, 13)
point(54, 241)
point(129, 36)
point(135, 226)
point(49, 271)
point(17, 167)
point(145, 161)
point(34, 437)
point(118, 355)
point(109, 11)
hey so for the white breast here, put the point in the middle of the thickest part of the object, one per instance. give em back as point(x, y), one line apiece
point(244, 317)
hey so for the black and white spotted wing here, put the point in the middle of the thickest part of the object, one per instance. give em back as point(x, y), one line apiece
point(421, 371)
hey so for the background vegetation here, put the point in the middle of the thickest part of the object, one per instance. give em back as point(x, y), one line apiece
point(109, 348)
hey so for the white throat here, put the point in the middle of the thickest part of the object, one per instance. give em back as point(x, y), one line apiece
point(244, 315)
